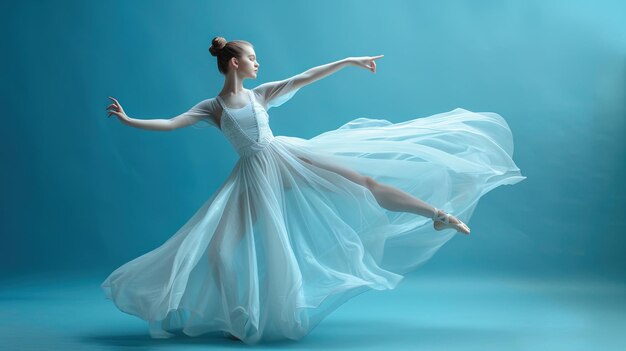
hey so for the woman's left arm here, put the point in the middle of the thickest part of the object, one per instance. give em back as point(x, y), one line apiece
point(278, 92)
point(316, 73)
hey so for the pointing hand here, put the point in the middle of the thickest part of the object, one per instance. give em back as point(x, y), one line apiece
point(367, 62)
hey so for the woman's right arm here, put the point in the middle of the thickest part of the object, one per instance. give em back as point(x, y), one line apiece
point(149, 124)
point(186, 119)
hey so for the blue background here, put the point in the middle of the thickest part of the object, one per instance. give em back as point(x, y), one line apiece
point(84, 193)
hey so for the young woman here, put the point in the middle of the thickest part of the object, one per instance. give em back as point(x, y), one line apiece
point(300, 226)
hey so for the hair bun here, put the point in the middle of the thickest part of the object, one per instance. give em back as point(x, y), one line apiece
point(217, 44)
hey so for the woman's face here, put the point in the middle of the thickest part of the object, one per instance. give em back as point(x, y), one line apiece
point(248, 65)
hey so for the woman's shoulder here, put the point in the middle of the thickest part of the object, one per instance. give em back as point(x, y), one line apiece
point(209, 104)
point(208, 107)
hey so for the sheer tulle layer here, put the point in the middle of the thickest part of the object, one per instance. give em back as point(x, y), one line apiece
point(286, 240)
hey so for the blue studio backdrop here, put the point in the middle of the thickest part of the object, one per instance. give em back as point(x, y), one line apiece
point(85, 193)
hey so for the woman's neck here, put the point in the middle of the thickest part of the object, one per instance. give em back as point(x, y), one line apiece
point(233, 85)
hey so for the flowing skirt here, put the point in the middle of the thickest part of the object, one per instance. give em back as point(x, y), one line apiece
point(286, 239)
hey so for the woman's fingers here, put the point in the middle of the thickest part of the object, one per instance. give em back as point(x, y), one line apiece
point(118, 114)
point(115, 108)
point(116, 103)
point(112, 109)
point(372, 65)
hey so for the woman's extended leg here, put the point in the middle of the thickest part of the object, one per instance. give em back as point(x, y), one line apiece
point(392, 198)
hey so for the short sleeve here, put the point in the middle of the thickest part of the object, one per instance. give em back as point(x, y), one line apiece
point(278, 92)
point(201, 112)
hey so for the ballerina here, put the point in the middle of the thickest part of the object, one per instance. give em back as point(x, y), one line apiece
point(300, 226)
point(243, 64)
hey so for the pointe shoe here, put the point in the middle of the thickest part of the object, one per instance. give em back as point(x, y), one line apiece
point(441, 221)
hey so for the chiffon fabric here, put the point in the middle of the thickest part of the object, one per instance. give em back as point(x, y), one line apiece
point(287, 239)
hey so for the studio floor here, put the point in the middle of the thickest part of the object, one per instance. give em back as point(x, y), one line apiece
point(425, 312)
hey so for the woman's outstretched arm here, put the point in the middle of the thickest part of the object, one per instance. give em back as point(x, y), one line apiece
point(160, 124)
point(277, 92)
point(316, 73)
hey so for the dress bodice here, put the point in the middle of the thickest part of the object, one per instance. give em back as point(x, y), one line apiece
point(246, 128)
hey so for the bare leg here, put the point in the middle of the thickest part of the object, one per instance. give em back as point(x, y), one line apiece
point(394, 199)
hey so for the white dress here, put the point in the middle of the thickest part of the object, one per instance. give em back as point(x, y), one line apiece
point(286, 239)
